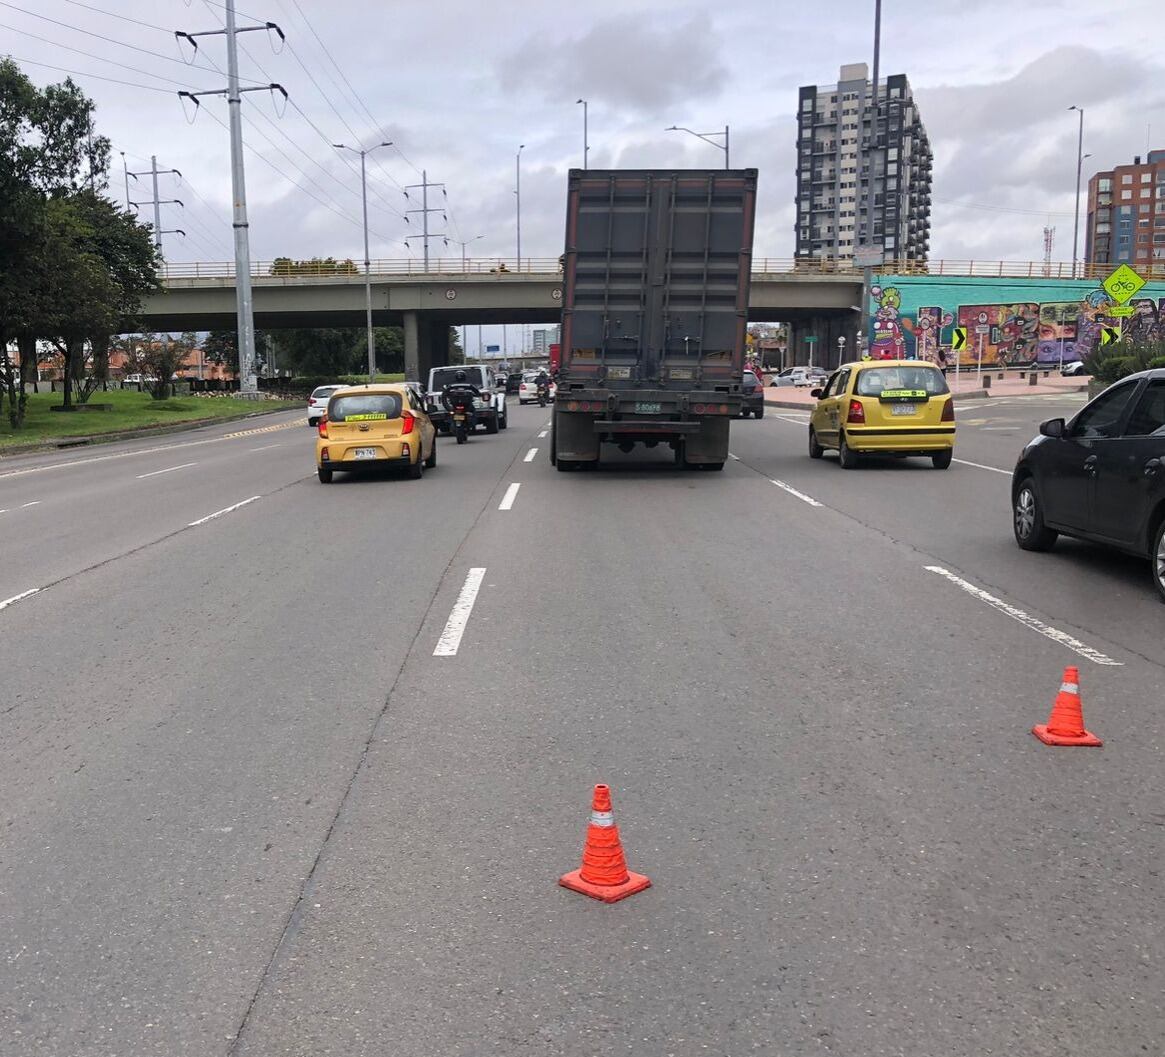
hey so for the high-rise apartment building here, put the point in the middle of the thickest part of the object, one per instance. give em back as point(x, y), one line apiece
point(834, 151)
point(1126, 215)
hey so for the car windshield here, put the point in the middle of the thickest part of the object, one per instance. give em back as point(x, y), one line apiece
point(876, 380)
point(364, 407)
point(325, 390)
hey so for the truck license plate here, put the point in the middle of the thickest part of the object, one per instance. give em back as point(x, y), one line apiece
point(903, 409)
point(648, 409)
point(364, 453)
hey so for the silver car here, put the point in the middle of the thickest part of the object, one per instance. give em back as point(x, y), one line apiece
point(317, 403)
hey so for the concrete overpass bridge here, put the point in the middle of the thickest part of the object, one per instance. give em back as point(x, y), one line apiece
point(817, 299)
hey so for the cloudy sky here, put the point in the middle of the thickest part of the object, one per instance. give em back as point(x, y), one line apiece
point(459, 85)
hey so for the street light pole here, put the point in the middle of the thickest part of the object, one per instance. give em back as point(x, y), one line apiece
point(367, 263)
point(463, 243)
point(706, 137)
point(1079, 167)
point(871, 153)
point(586, 145)
point(518, 193)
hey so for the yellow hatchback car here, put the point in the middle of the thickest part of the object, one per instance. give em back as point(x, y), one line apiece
point(884, 407)
point(368, 427)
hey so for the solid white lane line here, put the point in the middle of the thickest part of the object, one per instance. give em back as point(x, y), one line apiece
point(543, 434)
point(35, 502)
point(507, 502)
point(531, 455)
point(793, 491)
point(1062, 637)
point(16, 598)
point(736, 457)
point(795, 421)
point(450, 640)
point(169, 469)
point(980, 466)
point(225, 510)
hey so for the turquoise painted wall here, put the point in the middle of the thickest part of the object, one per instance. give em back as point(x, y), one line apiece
point(1008, 321)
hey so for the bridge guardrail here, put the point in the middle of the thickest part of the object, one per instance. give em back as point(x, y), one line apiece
point(548, 267)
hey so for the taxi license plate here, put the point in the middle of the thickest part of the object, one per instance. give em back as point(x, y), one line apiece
point(364, 453)
point(903, 409)
point(648, 409)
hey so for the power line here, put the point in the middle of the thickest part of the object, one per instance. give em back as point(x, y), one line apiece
point(1002, 209)
point(96, 76)
point(99, 58)
point(112, 40)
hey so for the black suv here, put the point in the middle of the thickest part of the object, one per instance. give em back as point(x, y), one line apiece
point(752, 391)
point(1099, 476)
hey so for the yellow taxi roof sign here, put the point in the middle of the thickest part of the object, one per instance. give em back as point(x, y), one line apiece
point(1122, 284)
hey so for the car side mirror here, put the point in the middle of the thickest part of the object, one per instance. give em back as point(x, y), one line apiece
point(816, 392)
point(1053, 427)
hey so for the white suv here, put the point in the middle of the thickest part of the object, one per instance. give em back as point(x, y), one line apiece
point(490, 409)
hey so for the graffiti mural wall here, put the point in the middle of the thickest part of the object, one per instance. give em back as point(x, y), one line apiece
point(1008, 321)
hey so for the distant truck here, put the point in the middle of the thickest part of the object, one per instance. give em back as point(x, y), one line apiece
point(655, 302)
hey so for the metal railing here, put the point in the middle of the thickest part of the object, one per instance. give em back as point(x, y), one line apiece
point(549, 267)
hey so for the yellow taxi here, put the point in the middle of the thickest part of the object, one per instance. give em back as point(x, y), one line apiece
point(884, 407)
point(367, 427)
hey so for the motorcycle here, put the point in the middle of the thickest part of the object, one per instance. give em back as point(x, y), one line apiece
point(543, 395)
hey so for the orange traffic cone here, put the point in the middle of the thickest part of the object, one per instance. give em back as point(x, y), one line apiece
point(604, 874)
point(1065, 725)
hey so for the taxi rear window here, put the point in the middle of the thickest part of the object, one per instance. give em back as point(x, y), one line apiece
point(874, 381)
point(364, 407)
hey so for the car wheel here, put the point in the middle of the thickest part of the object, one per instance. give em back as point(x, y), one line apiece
point(942, 459)
point(758, 412)
point(1028, 519)
point(504, 421)
point(491, 423)
point(312, 422)
point(1157, 556)
point(324, 474)
point(416, 469)
point(522, 402)
point(431, 461)
point(815, 449)
point(846, 455)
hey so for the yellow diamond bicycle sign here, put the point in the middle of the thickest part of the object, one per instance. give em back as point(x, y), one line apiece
point(1122, 284)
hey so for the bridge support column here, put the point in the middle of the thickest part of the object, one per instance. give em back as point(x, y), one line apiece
point(413, 349)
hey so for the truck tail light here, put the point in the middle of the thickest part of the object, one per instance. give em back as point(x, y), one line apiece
point(949, 411)
point(323, 427)
point(407, 423)
point(857, 413)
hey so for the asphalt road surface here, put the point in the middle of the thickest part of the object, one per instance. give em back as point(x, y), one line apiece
point(267, 789)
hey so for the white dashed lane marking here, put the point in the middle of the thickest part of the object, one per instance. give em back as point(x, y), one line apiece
point(531, 455)
point(169, 469)
point(507, 502)
point(1055, 634)
point(16, 598)
point(793, 492)
point(450, 640)
point(225, 510)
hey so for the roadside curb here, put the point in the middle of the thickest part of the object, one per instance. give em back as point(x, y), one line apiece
point(160, 430)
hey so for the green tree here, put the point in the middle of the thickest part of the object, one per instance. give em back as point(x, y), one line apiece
point(327, 351)
point(161, 360)
point(221, 347)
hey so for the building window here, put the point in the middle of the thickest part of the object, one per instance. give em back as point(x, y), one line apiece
point(1146, 177)
point(1127, 178)
point(1103, 184)
point(1126, 195)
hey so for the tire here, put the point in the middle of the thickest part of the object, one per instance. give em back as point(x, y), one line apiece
point(312, 423)
point(1027, 519)
point(504, 421)
point(491, 424)
point(845, 454)
point(815, 449)
point(553, 445)
point(324, 474)
point(416, 470)
point(942, 460)
point(522, 403)
point(462, 435)
point(758, 412)
point(431, 461)
point(1157, 558)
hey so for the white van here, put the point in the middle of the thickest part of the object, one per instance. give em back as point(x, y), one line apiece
point(490, 410)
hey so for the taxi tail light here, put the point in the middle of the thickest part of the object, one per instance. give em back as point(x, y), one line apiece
point(323, 428)
point(407, 423)
point(857, 413)
point(949, 411)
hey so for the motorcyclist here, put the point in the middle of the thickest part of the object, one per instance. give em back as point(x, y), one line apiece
point(542, 381)
point(461, 392)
